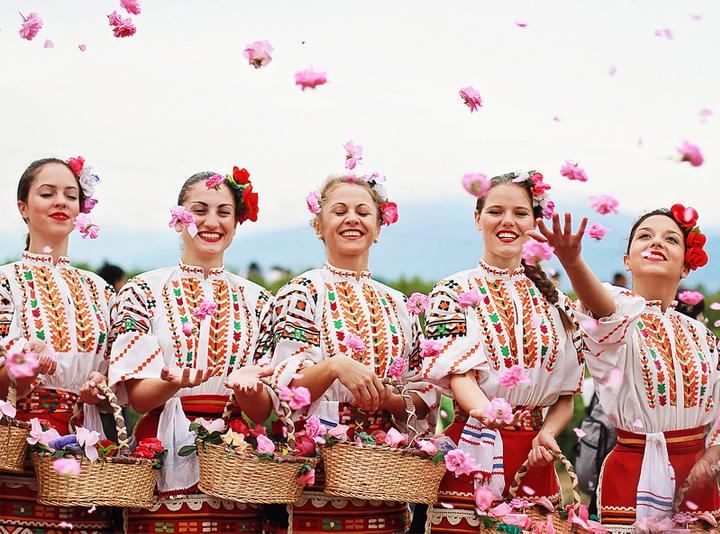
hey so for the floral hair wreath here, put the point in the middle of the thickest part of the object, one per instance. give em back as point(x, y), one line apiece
point(695, 255)
point(239, 180)
point(539, 190)
point(388, 210)
point(87, 180)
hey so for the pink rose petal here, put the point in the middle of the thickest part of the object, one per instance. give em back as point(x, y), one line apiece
point(520, 24)
point(82, 47)
point(579, 432)
point(446, 505)
point(715, 306)
point(637, 423)
point(528, 490)
point(48, 44)
point(612, 70)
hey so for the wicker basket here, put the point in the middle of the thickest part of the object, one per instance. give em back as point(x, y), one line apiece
point(561, 525)
point(373, 472)
point(120, 480)
point(696, 526)
point(243, 477)
point(13, 437)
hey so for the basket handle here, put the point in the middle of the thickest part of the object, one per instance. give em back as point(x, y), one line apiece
point(12, 390)
point(285, 414)
point(680, 496)
point(411, 420)
point(512, 490)
point(117, 415)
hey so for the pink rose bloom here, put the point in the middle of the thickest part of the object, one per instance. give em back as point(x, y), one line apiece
point(389, 212)
point(484, 498)
point(296, 397)
point(549, 209)
point(513, 376)
point(428, 447)
point(265, 445)
point(207, 307)
point(307, 478)
point(534, 251)
point(82, 47)
point(88, 205)
point(476, 184)
point(519, 520)
point(572, 171)
point(84, 225)
point(471, 98)
point(310, 78)
point(258, 53)
point(394, 438)
point(397, 367)
point(459, 463)
point(187, 329)
point(313, 202)
point(30, 26)
point(597, 231)
point(690, 297)
point(114, 19)
point(314, 429)
point(417, 303)
point(499, 410)
point(22, 364)
point(67, 466)
point(7, 410)
point(604, 204)
point(125, 29)
point(181, 218)
point(691, 153)
point(469, 298)
point(355, 343)
point(354, 155)
point(215, 181)
point(38, 435)
point(429, 348)
point(131, 6)
point(339, 432)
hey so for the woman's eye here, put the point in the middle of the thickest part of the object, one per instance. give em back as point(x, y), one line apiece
point(643, 236)
point(673, 240)
point(339, 213)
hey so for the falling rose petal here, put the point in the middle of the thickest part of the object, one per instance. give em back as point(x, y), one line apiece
point(589, 324)
point(65, 524)
point(520, 24)
point(705, 114)
point(82, 47)
point(637, 423)
point(665, 33)
point(446, 505)
point(443, 414)
point(716, 324)
point(579, 432)
point(715, 306)
point(556, 118)
point(535, 320)
point(48, 44)
point(696, 17)
point(528, 490)
point(92, 509)
point(640, 141)
point(690, 153)
point(47, 249)
point(691, 505)
point(613, 379)
point(612, 70)
point(597, 231)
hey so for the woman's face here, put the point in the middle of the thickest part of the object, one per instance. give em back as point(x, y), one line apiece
point(348, 222)
point(52, 204)
point(657, 249)
point(214, 212)
point(505, 217)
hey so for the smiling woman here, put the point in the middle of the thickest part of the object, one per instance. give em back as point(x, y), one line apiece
point(186, 336)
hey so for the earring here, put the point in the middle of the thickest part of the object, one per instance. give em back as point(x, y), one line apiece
point(376, 240)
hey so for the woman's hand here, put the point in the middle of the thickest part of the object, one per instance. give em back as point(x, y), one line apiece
point(45, 355)
point(188, 378)
point(496, 424)
point(247, 380)
point(542, 445)
point(566, 244)
point(89, 393)
point(366, 388)
point(706, 469)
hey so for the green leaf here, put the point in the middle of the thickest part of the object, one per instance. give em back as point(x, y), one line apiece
point(195, 426)
point(187, 450)
point(439, 457)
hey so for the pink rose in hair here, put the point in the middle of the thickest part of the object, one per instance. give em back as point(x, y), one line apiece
point(604, 204)
point(534, 251)
point(572, 171)
point(310, 79)
point(30, 26)
point(313, 202)
point(597, 231)
point(215, 181)
point(258, 53)
point(471, 98)
point(389, 212)
point(691, 153)
point(88, 205)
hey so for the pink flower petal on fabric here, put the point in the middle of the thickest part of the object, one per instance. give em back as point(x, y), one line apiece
point(48, 44)
point(533, 251)
point(483, 497)
point(67, 466)
point(313, 202)
point(691, 505)
point(206, 307)
point(613, 379)
point(7, 409)
point(579, 432)
point(131, 6)
point(397, 367)
point(604, 204)
point(22, 364)
point(310, 79)
point(476, 184)
point(597, 231)
point(353, 156)
point(356, 344)
point(92, 509)
point(429, 348)
point(499, 410)
point(469, 298)
point(690, 297)
point(528, 490)
point(691, 153)
point(265, 445)
point(572, 171)
point(259, 53)
point(513, 377)
point(31, 26)
point(637, 423)
point(471, 98)
point(417, 303)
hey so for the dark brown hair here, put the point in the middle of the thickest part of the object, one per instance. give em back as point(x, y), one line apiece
point(660, 211)
point(28, 177)
point(534, 272)
point(201, 177)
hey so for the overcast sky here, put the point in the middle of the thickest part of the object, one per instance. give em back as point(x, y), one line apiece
point(178, 97)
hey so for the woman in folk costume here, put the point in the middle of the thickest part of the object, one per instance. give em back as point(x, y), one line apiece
point(502, 331)
point(656, 372)
point(337, 332)
point(61, 315)
point(184, 335)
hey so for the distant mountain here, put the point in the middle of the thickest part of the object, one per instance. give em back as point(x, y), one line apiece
point(430, 240)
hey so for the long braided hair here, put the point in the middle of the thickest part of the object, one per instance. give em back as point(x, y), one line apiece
point(533, 272)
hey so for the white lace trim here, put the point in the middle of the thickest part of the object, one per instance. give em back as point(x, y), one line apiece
point(319, 499)
point(195, 502)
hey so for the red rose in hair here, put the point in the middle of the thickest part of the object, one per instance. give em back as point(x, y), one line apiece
point(76, 164)
point(686, 217)
point(695, 240)
point(250, 205)
point(241, 176)
point(239, 426)
point(154, 444)
point(142, 452)
point(696, 257)
point(389, 212)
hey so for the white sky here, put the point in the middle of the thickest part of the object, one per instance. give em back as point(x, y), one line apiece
point(178, 97)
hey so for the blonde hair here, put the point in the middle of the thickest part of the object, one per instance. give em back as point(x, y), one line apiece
point(334, 180)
